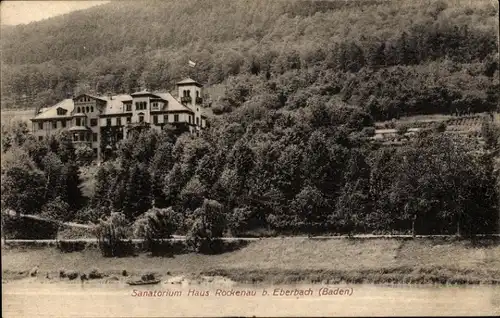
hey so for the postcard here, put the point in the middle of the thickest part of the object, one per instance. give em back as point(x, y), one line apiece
point(264, 158)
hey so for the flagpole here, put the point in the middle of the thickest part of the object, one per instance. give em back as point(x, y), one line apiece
point(193, 65)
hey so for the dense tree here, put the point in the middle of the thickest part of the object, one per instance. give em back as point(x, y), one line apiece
point(288, 147)
point(23, 190)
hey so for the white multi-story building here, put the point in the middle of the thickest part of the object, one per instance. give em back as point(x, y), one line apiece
point(101, 121)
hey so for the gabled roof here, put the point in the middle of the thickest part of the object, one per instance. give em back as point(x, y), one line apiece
point(189, 81)
point(51, 112)
point(173, 104)
point(115, 104)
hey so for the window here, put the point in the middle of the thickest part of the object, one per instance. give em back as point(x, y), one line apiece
point(108, 122)
point(63, 123)
point(93, 122)
point(75, 137)
point(176, 118)
point(95, 151)
point(129, 120)
point(94, 136)
point(84, 121)
point(88, 109)
point(165, 119)
point(129, 107)
point(92, 109)
point(40, 138)
point(78, 109)
point(140, 105)
point(154, 105)
point(197, 121)
point(141, 118)
point(78, 121)
point(189, 119)
point(197, 94)
point(155, 119)
point(40, 125)
point(118, 121)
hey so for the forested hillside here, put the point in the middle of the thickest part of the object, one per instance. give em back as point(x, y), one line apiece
point(289, 150)
point(390, 58)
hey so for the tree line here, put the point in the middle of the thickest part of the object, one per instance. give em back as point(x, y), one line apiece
point(308, 171)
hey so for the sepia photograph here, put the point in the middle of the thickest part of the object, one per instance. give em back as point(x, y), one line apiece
point(250, 158)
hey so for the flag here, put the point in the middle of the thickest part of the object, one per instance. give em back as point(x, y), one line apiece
point(192, 64)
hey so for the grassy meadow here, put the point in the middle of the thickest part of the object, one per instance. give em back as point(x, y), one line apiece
point(289, 260)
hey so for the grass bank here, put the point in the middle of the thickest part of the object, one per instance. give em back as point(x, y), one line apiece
point(290, 260)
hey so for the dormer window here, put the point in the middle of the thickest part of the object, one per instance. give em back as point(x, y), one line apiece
point(61, 111)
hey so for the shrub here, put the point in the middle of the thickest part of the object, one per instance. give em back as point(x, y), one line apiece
point(207, 228)
point(238, 220)
point(84, 155)
point(56, 209)
point(111, 234)
point(156, 225)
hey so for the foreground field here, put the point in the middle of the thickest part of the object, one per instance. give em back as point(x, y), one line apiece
point(290, 260)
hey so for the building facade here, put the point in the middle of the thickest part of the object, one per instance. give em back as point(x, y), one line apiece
point(99, 122)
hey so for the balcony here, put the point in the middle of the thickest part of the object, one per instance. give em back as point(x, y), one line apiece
point(186, 99)
point(199, 100)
